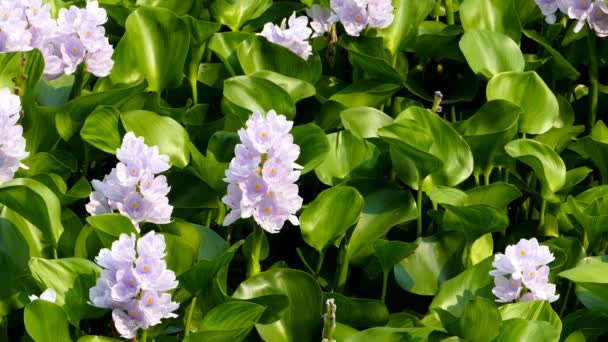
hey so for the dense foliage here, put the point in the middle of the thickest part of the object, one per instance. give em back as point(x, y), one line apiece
point(348, 170)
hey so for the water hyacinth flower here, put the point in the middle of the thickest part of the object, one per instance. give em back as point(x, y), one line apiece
point(548, 8)
point(380, 13)
point(322, 19)
point(77, 35)
point(356, 15)
point(133, 188)
point(12, 143)
point(134, 282)
point(262, 173)
point(522, 273)
point(292, 34)
point(598, 18)
point(49, 295)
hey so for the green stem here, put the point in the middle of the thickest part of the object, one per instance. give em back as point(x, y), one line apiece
point(419, 210)
point(565, 302)
point(319, 263)
point(85, 162)
point(344, 263)
point(189, 319)
point(453, 114)
point(55, 252)
point(449, 11)
point(253, 266)
point(476, 177)
point(144, 336)
point(78, 79)
point(593, 81)
point(486, 176)
point(543, 208)
point(384, 285)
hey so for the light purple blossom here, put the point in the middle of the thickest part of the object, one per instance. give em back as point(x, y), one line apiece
point(12, 143)
point(134, 283)
point(352, 14)
point(322, 19)
point(292, 34)
point(132, 188)
point(522, 273)
point(598, 18)
point(265, 192)
point(380, 13)
point(49, 295)
point(548, 8)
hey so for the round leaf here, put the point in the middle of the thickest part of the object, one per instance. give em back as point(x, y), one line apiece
point(101, 129)
point(258, 94)
point(489, 53)
point(364, 122)
point(46, 321)
point(313, 146)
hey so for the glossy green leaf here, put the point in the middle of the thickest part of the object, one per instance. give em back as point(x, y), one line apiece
point(480, 320)
point(531, 94)
point(155, 38)
point(546, 163)
point(436, 260)
point(100, 129)
point(495, 16)
point(390, 253)
point(592, 272)
point(170, 137)
point(393, 334)
point(404, 28)
point(488, 130)
point(518, 329)
point(46, 321)
point(497, 194)
point(231, 320)
point(258, 94)
point(301, 319)
point(456, 292)
point(235, 13)
point(364, 122)
point(71, 278)
point(313, 143)
point(474, 220)
point(447, 161)
point(113, 224)
point(595, 147)
point(349, 158)
point(36, 203)
point(539, 310)
point(296, 88)
point(489, 53)
point(330, 215)
point(358, 312)
point(563, 68)
point(367, 53)
point(256, 54)
point(384, 208)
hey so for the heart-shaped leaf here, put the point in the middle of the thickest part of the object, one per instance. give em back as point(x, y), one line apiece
point(489, 53)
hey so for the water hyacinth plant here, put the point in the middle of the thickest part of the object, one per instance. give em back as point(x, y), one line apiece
point(293, 171)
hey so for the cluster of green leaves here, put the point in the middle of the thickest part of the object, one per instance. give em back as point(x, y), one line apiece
point(517, 152)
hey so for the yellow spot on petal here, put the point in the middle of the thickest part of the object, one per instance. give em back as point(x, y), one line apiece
point(583, 3)
point(133, 314)
point(522, 252)
point(513, 285)
point(358, 18)
point(88, 33)
point(132, 282)
point(531, 274)
point(257, 187)
point(145, 268)
point(134, 205)
point(150, 301)
point(272, 171)
point(5, 16)
point(35, 10)
point(599, 14)
point(263, 135)
point(74, 50)
point(267, 210)
point(133, 171)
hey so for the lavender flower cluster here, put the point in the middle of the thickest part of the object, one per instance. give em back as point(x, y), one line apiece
point(522, 273)
point(593, 12)
point(355, 16)
point(12, 143)
point(261, 176)
point(132, 187)
point(76, 36)
point(134, 285)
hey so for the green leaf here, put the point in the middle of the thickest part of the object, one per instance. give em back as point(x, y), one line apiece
point(101, 129)
point(177, 6)
point(404, 28)
point(367, 53)
point(296, 88)
point(393, 334)
point(595, 147)
point(228, 321)
point(349, 158)
point(497, 194)
point(162, 131)
point(256, 54)
point(258, 94)
point(181, 255)
point(447, 161)
point(385, 207)
point(593, 272)
point(495, 16)
point(518, 329)
point(36, 203)
point(546, 163)
point(538, 310)
point(71, 278)
point(235, 13)
point(14, 255)
point(301, 321)
point(358, 312)
point(489, 53)
point(224, 44)
point(390, 253)
point(314, 146)
point(456, 292)
point(480, 320)
point(474, 220)
point(330, 215)
point(154, 39)
point(531, 94)
point(364, 122)
point(436, 260)
point(46, 321)
point(113, 224)
point(562, 68)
